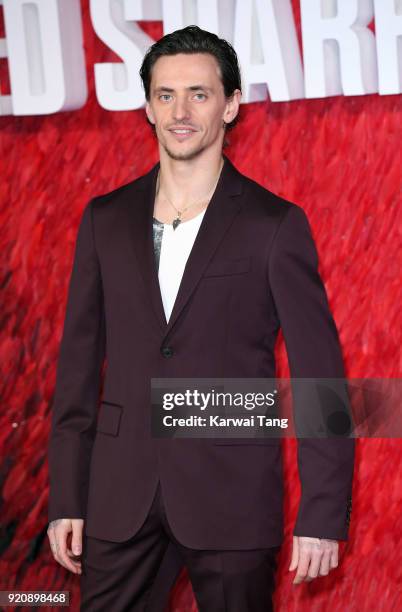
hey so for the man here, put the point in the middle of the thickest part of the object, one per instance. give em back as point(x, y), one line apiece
point(189, 271)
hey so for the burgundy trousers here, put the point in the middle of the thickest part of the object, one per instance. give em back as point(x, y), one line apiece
point(136, 575)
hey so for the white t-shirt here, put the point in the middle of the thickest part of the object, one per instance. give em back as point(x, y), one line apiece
point(174, 247)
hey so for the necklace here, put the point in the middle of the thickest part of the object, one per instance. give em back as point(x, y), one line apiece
point(178, 219)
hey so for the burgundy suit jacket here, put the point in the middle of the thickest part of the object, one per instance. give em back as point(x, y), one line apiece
point(253, 269)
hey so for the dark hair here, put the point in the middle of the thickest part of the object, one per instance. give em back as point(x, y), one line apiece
point(193, 39)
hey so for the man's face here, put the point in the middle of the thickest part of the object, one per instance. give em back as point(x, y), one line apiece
point(186, 92)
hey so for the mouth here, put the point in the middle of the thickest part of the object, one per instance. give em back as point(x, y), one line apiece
point(182, 133)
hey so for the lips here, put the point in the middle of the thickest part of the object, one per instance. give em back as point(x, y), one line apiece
point(182, 133)
point(181, 130)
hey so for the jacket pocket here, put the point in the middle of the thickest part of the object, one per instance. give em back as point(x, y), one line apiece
point(228, 267)
point(109, 418)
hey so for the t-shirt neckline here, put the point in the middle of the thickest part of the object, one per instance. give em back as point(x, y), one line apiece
point(183, 222)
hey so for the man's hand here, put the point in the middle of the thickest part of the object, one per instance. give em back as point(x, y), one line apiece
point(57, 532)
point(313, 557)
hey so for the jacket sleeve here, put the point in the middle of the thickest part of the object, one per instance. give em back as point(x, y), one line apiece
point(325, 464)
point(82, 350)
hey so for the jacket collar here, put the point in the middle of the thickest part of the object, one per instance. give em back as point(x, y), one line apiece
point(219, 215)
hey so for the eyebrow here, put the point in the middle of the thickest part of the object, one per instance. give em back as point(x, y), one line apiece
point(191, 88)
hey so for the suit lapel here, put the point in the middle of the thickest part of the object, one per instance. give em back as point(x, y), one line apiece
point(140, 217)
point(217, 219)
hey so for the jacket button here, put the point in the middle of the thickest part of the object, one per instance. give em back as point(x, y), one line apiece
point(166, 351)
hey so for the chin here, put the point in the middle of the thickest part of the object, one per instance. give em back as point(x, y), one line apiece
point(183, 155)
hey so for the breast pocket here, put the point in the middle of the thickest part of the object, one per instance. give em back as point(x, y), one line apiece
point(109, 418)
point(228, 267)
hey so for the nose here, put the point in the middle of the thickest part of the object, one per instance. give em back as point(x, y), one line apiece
point(181, 109)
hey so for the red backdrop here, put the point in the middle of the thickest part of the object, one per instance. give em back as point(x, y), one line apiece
point(340, 159)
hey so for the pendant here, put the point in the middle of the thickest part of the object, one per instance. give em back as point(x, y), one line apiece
point(176, 222)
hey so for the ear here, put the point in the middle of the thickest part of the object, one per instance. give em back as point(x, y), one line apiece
point(149, 113)
point(232, 106)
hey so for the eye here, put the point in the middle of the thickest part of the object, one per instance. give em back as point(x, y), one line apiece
point(201, 94)
point(164, 96)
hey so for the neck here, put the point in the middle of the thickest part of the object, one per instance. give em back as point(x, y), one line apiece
point(186, 182)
